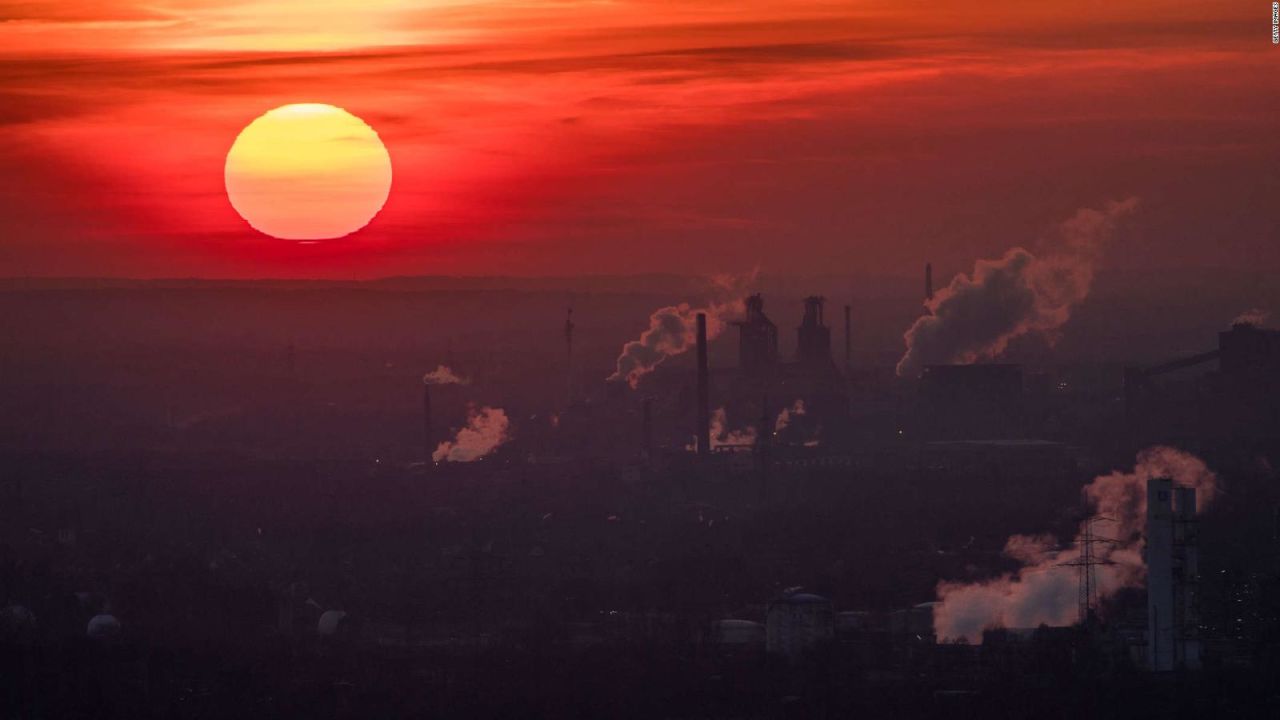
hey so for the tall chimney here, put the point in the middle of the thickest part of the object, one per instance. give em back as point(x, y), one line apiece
point(704, 391)
point(848, 336)
point(928, 281)
point(428, 446)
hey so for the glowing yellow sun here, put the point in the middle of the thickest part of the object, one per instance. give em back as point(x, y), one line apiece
point(308, 171)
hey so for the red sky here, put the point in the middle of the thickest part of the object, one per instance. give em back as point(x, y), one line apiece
point(612, 136)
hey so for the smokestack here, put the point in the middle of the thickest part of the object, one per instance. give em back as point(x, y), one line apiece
point(704, 391)
point(848, 337)
point(928, 281)
point(428, 446)
point(646, 428)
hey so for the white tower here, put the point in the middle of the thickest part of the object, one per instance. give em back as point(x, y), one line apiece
point(1159, 552)
point(1186, 579)
point(1173, 568)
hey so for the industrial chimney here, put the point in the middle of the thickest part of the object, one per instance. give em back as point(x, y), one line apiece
point(703, 431)
point(813, 337)
point(928, 281)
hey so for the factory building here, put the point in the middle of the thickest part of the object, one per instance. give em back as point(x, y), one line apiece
point(980, 384)
point(758, 342)
point(1247, 349)
point(757, 339)
point(1238, 402)
point(1010, 457)
point(1173, 639)
point(971, 402)
point(763, 385)
point(813, 337)
point(1244, 351)
point(758, 354)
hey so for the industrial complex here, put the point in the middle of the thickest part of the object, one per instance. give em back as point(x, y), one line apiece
point(760, 521)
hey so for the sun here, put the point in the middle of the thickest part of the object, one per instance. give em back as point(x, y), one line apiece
point(308, 171)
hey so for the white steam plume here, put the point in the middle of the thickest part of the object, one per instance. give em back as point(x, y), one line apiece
point(444, 375)
point(788, 417)
point(1043, 592)
point(485, 430)
point(976, 316)
point(785, 417)
point(1256, 317)
point(673, 329)
point(722, 436)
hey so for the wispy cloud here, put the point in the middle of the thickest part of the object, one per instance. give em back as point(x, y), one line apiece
point(549, 124)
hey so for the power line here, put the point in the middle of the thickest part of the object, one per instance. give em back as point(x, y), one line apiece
point(1085, 564)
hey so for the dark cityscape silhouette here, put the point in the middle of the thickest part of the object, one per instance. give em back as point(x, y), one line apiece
point(208, 515)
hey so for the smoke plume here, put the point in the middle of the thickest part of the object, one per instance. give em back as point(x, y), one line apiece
point(787, 420)
point(976, 316)
point(721, 435)
point(443, 375)
point(673, 329)
point(787, 415)
point(1256, 317)
point(485, 430)
point(1043, 592)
